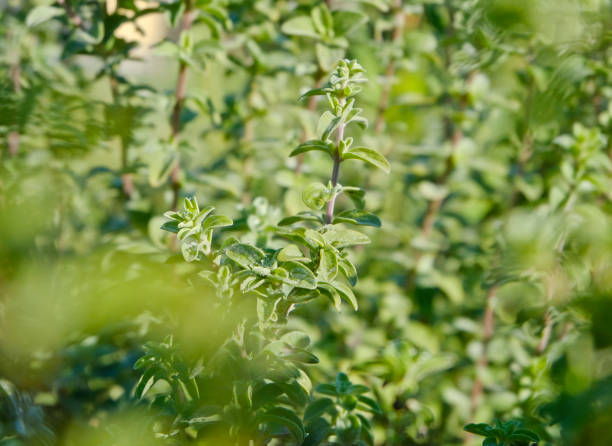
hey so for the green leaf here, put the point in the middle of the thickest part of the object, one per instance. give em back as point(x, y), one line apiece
point(287, 418)
point(322, 20)
point(381, 5)
point(347, 21)
point(145, 382)
point(327, 57)
point(318, 408)
point(315, 195)
point(171, 226)
point(291, 252)
point(216, 221)
point(523, 435)
point(325, 121)
point(318, 430)
point(245, 255)
point(357, 217)
point(346, 293)
point(296, 339)
point(302, 356)
point(314, 92)
point(342, 237)
point(41, 14)
point(266, 394)
point(328, 265)
point(357, 196)
point(299, 276)
point(332, 294)
point(300, 26)
point(327, 389)
point(349, 271)
point(369, 156)
point(301, 216)
point(478, 429)
point(370, 403)
point(313, 144)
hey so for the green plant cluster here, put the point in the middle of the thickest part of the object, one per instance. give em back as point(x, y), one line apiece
point(305, 222)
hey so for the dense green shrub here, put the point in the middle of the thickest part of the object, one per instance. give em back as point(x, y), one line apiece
point(202, 240)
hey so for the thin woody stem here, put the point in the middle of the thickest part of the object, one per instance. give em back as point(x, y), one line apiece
point(329, 214)
point(74, 17)
point(178, 106)
point(488, 329)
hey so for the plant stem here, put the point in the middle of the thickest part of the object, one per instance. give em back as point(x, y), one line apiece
point(178, 106)
point(488, 329)
point(398, 32)
point(74, 17)
point(329, 215)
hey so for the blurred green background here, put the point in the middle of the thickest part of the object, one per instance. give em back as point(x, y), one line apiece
point(486, 293)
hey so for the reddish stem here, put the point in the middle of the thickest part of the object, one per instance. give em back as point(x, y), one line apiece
point(181, 81)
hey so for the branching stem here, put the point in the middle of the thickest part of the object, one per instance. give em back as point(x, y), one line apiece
point(178, 106)
point(329, 215)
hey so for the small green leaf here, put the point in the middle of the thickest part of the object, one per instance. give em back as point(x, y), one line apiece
point(346, 21)
point(478, 429)
point(296, 339)
point(331, 293)
point(346, 293)
point(317, 408)
point(300, 26)
point(381, 5)
point(313, 144)
point(369, 156)
point(266, 394)
point(287, 418)
point(328, 265)
point(349, 271)
point(301, 216)
point(342, 238)
point(299, 276)
point(523, 435)
point(302, 356)
point(314, 92)
point(41, 14)
point(325, 122)
point(327, 389)
point(315, 195)
point(245, 255)
point(318, 430)
point(291, 252)
point(370, 403)
point(216, 221)
point(327, 56)
point(171, 226)
point(145, 382)
point(357, 217)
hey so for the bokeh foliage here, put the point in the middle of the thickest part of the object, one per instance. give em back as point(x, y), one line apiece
point(484, 297)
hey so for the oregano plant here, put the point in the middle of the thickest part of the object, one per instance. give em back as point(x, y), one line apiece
point(311, 262)
point(187, 254)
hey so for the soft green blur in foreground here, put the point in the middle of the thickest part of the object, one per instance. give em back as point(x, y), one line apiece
point(485, 294)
